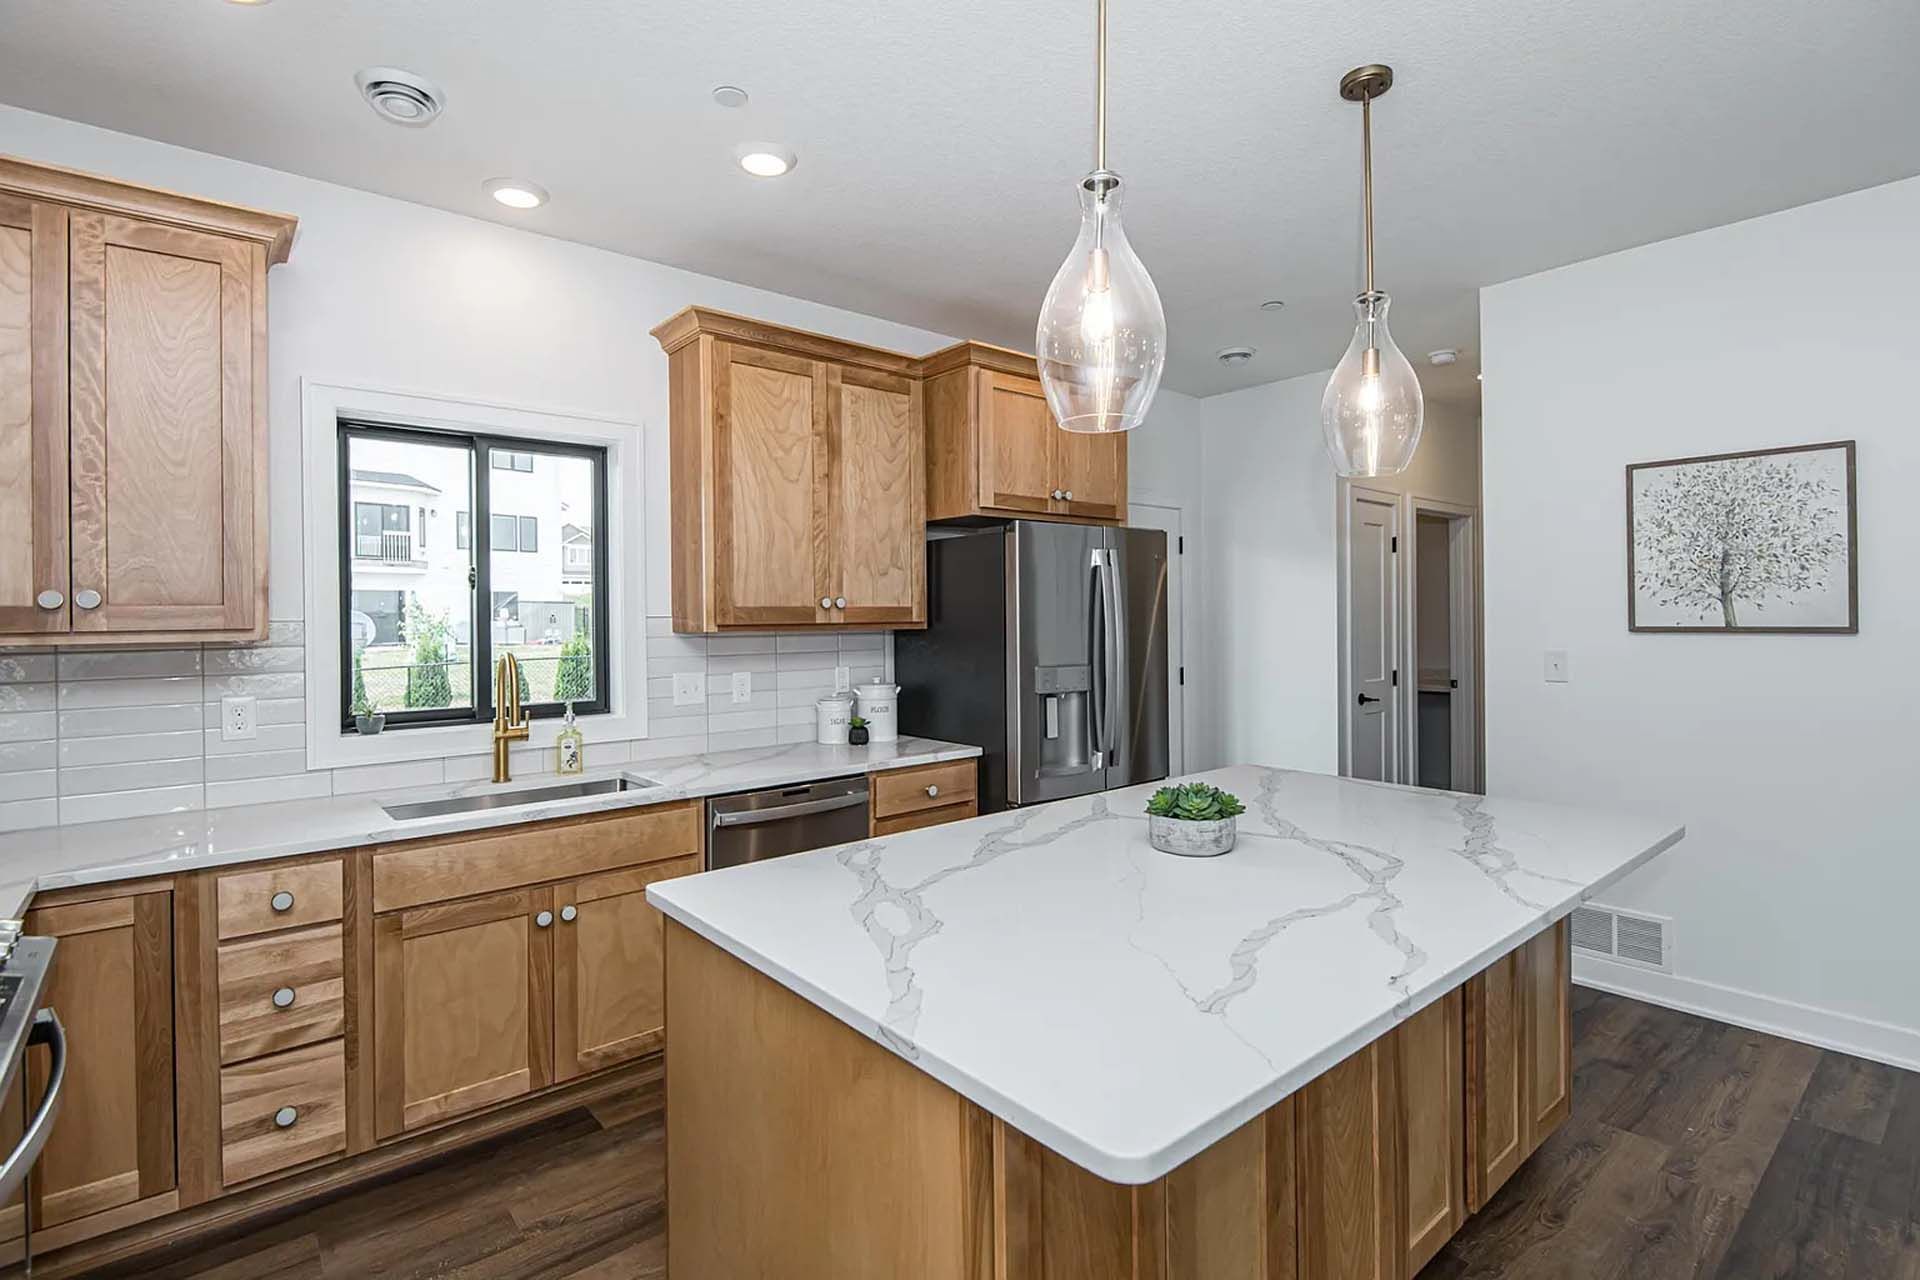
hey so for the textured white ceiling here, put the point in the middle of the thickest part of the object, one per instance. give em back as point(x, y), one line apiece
point(940, 144)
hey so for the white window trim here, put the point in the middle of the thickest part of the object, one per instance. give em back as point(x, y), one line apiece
point(323, 404)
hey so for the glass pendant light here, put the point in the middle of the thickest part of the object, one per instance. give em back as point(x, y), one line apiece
point(1373, 409)
point(1102, 338)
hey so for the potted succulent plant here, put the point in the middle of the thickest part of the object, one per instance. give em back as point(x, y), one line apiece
point(1193, 820)
point(366, 721)
point(856, 732)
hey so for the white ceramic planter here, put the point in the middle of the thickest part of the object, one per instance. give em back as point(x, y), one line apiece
point(1191, 839)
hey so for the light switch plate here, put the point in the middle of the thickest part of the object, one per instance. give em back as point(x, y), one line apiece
point(842, 679)
point(1556, 664)
point(238, 718)
point(743, 686)
point(689, 688)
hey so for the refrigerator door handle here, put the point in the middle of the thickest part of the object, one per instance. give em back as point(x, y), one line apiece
point(1114, 717)
point(1097, 655)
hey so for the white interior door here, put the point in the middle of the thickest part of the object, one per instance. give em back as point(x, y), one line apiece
point(1373, 636)
point(1143, 515)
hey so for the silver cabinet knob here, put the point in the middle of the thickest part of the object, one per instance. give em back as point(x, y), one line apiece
point(826, 602)
point(281, 902)
point(932, 790)
point(1055, 495)
point(1068, 495)
point(569, 913)
point(49, 599)
point(544, 919)
point(87, 598)
point(283, 998)
point(285, 1116)
point(839, 602)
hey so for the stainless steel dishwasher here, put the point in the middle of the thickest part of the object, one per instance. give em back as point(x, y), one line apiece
point(769, 824)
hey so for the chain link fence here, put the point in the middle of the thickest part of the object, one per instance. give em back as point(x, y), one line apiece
point(545, 676)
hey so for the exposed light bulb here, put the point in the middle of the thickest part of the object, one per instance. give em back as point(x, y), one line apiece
point(1102, 336)
point(1373, 407)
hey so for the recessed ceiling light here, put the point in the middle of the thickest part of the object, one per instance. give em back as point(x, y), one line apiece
point(1233, 356)
point(401, 97)
point(515, 193)
point(765, 159)
point(1443, 357)
point(1273, 304)
point(730, 95)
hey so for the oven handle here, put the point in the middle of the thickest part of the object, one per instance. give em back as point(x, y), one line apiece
point(48, 1031)
point(755, 817)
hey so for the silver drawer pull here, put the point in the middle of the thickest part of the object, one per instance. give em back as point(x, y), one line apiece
point(569, 913)
point(283, 998)
point(932, 790)
point(49, 599)
point(281, 902)
point(826, 602)
point(544, 919)
point(1069, 495)
point(285, 1116)
point(87, 598)
point(839, 602)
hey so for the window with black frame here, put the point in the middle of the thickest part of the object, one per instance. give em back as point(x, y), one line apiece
point(426, 611)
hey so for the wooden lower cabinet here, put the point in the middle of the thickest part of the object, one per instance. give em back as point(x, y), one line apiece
point(609, 998)
point(1427, 1067)
point(1519, 1059)
point(1351, 1169)
point(112, 1146)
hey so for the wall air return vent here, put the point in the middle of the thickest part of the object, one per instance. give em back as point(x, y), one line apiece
point(401, 97)
point(1627, 936)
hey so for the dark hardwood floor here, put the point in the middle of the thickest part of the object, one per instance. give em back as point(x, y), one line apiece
point(1695, 1149)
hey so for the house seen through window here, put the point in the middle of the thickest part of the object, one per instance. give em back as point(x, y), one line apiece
point(458, 548)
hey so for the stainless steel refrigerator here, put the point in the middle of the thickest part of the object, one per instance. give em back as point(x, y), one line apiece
point(1046, 645)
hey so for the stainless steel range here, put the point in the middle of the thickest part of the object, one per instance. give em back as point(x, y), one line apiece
point(26, 964)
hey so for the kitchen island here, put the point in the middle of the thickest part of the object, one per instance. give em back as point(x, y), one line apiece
point(1030, 1046)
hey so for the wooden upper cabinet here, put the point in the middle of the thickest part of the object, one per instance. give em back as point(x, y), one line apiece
point(132, 410)
point(797, 477)
point(33, 416)
point(994, 449)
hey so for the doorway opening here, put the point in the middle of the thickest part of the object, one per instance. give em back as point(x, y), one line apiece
point(1444, 710)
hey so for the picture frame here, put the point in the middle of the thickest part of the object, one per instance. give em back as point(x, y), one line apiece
point(1757, 542)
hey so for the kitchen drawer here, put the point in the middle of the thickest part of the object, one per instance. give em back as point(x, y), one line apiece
point(424, 871)
point(282, 897)
point(281, 1111)
point(924, 818)
point(280, 992)
point(933, 786)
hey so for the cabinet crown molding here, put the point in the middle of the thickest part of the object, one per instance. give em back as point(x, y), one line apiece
point(692, 322)
point(151, 204)
point(982, 355)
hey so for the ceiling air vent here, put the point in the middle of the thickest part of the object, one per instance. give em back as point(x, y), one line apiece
point(1629, 937)
point(401, 97)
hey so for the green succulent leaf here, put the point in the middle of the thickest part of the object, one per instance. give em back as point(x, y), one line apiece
point(1194, 802)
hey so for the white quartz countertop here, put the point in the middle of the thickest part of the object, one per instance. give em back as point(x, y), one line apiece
point(1128, 1008)
point(98, 852)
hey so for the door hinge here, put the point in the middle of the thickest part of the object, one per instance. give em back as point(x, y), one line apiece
point(1396, 677)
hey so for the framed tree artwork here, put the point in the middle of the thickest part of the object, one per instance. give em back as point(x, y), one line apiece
point(1759, 542)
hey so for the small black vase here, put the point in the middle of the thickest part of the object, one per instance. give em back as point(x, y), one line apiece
point(857, 736)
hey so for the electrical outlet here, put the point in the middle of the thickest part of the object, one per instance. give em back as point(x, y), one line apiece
point(743, 686)
point(690, 689)
point(1556, 661)
point(842, 679)
point(238, 720)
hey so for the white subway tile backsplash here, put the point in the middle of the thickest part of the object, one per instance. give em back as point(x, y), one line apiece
point(26, 697)
point(256, 764)
point(130, 804)
point(26, 725)
point(278, 684)
point(796, 732)
point(722, 646)
point(655, 748)
point(388, 777)
point(133, 775)
point(808, 660)
point(254, 660)
point(742, 740)
point(266, 737)
point(41, 753)
point(292, 786)
point(128, 664)
point(141, 691)
point(669, 664)
point(873, 642)
point(121, 748)
point(806, 642)
point(24, 667)
point(29, 784)
point(93, 722)
point(728, 663)
point(266, 711)
point(725, 722)
point(18, 815)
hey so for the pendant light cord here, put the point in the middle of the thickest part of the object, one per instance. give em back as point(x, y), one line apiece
point(1100, 89)
point(1366, 160)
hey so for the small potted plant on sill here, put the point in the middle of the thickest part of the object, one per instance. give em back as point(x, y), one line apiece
point(856, 732)
point(366, 721)
point(1193, 820)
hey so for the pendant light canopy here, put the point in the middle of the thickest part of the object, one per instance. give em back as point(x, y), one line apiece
point(1102, 337)
point(1373, 410)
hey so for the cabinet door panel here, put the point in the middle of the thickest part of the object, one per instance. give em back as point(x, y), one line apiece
point(33, 415)
point(1093, 468)
point(880, 499)
point(1433, 1126)
point(609, 987)
point(771, 475)
point(112, 989)
point(1349, 1170)
point(1496, 1077)
point(1549, 1034)
point(1016, 444)
point(462, 1007)
point(162, 433)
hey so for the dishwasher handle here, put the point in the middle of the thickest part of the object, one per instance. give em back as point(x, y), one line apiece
point(755, 817)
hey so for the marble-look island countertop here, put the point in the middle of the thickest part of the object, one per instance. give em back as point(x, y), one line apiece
point(1128, 1008)
point(100, 852)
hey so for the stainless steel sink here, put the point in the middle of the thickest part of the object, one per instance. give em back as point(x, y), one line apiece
point(515, 799)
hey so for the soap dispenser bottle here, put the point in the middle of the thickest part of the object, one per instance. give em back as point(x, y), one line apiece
point(569, 746)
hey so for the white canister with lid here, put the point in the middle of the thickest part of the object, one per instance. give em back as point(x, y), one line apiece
point(880, 708)
point(831, 715)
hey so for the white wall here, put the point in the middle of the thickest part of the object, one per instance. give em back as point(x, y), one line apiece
point(1790, 758)
point(397, 296)
point(1164, 470)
